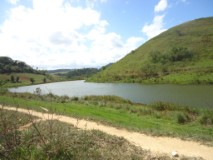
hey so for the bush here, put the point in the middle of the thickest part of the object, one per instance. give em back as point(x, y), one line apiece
point(161, 106)
point(179, 54)
point(181, 118)
point(74, 98)
point(174, 55)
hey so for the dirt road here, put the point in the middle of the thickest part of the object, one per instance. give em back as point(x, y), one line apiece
point(154, 144)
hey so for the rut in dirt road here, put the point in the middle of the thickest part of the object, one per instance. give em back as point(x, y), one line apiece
point(154, 144)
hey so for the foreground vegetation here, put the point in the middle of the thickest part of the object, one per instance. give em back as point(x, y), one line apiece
point(160, 119)
point(181, 55)
point(55, 140)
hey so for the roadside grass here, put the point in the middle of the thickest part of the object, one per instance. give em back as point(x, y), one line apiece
point(159, 119)
point(56, 140)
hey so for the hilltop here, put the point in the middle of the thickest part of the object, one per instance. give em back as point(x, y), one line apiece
point(180, 55)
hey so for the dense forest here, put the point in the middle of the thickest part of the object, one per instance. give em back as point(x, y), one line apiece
point(8, 65)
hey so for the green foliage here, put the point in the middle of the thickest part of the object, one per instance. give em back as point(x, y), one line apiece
point(17, 79)
point(45, 80)
point(149, 71)
point(181, 118)
point(176, 54)
point(180, 54)
point(32, 80)
point(162, 106)
point(12, 79)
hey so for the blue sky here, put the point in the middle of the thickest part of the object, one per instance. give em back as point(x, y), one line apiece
point(52, 34)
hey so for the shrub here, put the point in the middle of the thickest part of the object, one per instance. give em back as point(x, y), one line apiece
point(161, 106)
point(181, 118)
point(179, 54)
point(75, 98)
point(174, 55)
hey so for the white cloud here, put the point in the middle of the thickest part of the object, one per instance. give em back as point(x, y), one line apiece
point(161, 6)
point(91, 3)
point(155, 28)
point(157, 25)
point(54, 34)
point(13, 2)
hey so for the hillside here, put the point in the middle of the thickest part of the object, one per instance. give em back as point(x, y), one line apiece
point(180, 55)
point(74, 74)
point(8, 65)
point(17, 73)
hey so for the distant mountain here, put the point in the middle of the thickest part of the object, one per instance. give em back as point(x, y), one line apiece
point(182, 55)
point(58, 71)
point(74, 74)
point(81, 73)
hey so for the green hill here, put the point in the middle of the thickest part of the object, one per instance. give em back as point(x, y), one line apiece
point(180, 55)
point(17, 73)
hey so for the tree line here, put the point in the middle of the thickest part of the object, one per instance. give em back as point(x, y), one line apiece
point(81, 73)
point(8, 65)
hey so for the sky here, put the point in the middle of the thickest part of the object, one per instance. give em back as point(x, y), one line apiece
point(53, 34)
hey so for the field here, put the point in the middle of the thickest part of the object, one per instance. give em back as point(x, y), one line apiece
point(26, 79)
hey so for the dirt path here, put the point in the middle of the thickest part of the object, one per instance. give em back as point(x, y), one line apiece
point(154, 144)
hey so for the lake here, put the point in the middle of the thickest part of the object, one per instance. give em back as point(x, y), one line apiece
point(190, 95)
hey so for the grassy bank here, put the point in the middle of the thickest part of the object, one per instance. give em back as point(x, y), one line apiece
point(160, 119)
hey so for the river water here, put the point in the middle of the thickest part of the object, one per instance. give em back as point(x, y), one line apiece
point(190, 95)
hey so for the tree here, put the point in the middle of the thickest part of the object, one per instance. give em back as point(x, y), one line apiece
point(32, 80)
point(12, 79)
point(44, 80)
point(17, 79)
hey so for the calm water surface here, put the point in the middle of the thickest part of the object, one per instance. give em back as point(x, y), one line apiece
point(191, 95)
